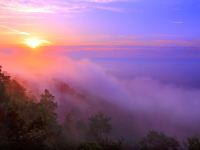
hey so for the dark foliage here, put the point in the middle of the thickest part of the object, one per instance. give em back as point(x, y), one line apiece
point(193, 143)
point(158, 141)
point(101, 145)
point(99, 126)
point(27, 123)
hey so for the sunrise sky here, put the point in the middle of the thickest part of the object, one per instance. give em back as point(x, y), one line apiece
point(100, 22)
point(141, 56)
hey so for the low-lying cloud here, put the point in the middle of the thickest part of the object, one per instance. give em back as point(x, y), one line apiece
point(137, 104)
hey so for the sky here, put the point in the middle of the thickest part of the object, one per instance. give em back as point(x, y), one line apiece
point(101, 22)
point(143, 55)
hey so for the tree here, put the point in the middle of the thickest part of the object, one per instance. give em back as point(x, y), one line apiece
point(45, 121)
point(193, 143)
point(47, 107)
point(4, 79)
point(90, 146)
point(26, 124)
point(158, 141)
point(13, 102)
point(99, 126)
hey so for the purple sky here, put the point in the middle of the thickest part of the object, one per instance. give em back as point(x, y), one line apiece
point(143, 55)
point(84, 22)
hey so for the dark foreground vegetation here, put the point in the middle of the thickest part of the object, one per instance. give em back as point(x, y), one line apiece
point(29, 123)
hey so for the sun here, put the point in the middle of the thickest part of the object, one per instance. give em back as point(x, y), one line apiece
point(35, 42)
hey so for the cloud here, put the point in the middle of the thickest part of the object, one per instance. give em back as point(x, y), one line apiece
point(144, 103)
point(177, 22)
point(56, 6)
point(14, 31)
point(104, 1)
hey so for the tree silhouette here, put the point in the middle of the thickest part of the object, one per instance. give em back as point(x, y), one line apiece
point(28, 122)
point(99, 126)
point(158, 141)
point(25, 124)
point(99, 129)
point(193, 143)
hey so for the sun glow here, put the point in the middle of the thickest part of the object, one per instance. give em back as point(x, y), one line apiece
point(35, 42)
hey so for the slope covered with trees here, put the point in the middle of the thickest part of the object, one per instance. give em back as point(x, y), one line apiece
point(30, 123)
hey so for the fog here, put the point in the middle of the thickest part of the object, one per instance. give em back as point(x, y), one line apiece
point(140, 93)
